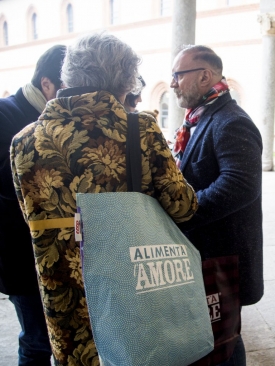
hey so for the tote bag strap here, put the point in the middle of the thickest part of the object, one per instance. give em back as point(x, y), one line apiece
point(133, 154)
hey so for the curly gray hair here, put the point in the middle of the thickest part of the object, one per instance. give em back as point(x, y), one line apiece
point(101, 61)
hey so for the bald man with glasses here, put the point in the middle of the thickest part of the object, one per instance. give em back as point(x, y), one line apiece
point(218, 149)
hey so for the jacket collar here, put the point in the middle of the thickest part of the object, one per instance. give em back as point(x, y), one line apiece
point(202, 125)
point(70, 92)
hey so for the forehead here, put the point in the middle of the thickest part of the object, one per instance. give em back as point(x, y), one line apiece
point(183, 61)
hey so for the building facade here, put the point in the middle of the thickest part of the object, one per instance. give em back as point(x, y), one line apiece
point(230, 27)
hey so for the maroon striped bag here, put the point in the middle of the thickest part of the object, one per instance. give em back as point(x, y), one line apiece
point(221, 280)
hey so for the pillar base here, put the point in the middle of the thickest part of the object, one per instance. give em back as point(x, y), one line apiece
point(267, 166)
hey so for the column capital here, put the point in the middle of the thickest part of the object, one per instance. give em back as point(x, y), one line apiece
point(267, 21)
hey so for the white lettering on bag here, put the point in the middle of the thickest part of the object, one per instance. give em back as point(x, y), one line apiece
point(149, 252)
point(213, 302)
point(153, 274)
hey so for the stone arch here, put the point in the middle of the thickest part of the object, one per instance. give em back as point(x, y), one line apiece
point(6, 94)
point(236, 91)
point(157, 93)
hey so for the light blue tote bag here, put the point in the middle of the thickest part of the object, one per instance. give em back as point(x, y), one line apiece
point(143, 283)
point(142, 277)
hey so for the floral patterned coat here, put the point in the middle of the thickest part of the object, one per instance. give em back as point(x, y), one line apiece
point(78, 145)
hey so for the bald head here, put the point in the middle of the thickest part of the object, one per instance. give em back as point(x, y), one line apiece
point(204, 54)
point(196, 69)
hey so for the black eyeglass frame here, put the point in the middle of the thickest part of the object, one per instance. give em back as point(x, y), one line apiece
point(175, 74)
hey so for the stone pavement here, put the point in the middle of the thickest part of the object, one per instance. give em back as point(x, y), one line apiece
point(258, 321)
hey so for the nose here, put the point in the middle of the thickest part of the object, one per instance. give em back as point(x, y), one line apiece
point(173, 83)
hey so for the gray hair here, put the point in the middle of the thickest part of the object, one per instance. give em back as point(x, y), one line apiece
point(103, 62)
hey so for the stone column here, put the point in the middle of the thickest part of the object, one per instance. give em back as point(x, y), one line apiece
point(183, 32)
point(267, 101)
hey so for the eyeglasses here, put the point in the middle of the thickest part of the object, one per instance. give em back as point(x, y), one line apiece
point(177, 73)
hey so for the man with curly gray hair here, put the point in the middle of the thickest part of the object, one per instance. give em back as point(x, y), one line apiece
point(78, 145)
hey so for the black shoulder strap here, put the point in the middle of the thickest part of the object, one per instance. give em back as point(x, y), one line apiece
point(133, 154)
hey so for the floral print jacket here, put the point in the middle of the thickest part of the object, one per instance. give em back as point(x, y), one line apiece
point(78, 145)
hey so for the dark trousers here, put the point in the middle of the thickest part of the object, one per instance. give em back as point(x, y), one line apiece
point(34, 346)
point(238, 358)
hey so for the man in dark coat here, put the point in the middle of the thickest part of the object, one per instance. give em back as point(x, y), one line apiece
point(218, 149)
point(18, 277)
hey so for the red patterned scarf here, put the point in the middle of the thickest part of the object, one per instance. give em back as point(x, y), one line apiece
point(192, 117)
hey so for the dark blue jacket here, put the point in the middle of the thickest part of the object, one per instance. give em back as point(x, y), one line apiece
point(222, 161)
point(17, 270)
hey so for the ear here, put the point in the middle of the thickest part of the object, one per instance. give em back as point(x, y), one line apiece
point(206, 77)
point(48, 88)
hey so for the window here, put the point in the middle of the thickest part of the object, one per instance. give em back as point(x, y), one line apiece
point(163, 107)
point(165, 7)
point(114, 11)
point(70, 22)
point(34, 26)
point(32, 23)
point(160, 100)
point(5, 34)
point(67, 17)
